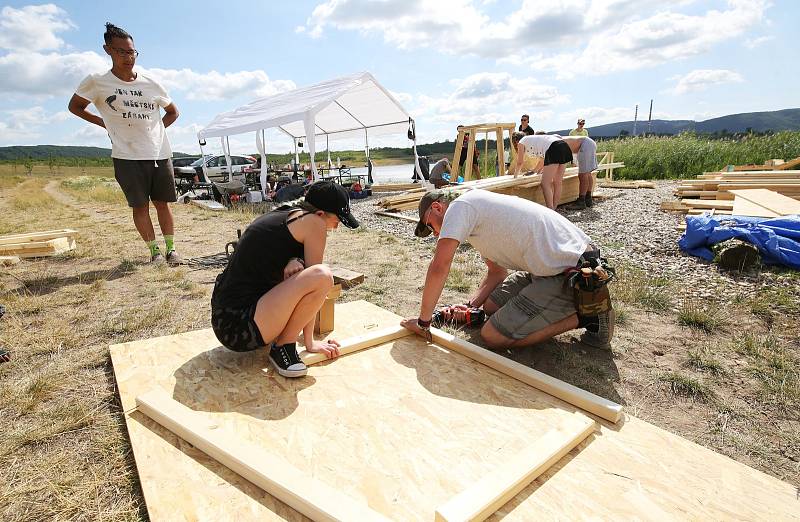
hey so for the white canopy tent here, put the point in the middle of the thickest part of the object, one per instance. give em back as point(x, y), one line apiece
point(340, 108)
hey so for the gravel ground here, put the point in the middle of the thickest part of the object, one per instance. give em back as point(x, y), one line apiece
point(632, 231)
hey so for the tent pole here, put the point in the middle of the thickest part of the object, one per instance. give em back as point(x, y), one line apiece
point(369, 161)
point(328, 146)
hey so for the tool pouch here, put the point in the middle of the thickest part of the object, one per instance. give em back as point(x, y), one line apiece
point(589, 284)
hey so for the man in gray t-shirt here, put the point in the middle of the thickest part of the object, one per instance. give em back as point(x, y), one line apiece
point(526, 247)
point(437, 173)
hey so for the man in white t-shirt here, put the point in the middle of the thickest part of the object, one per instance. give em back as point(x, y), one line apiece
point(130, 106)
point(532, 242)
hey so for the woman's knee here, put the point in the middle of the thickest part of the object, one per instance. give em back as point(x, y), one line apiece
point(322, 276)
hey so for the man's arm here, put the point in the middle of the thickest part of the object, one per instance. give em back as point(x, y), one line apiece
point(437, 274)
point(170, 115)
point(495, 275)
point(77, 106)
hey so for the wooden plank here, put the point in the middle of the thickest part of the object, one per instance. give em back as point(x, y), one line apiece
point(457, 154)
point(268, 471)
point(359, 342)
point(501, 149)
point(208, 204)
point(627, 184)
point(789, 164)
point(47, 248)
point(590, 402)
point(491, 492)
point(346, 278)
point(470, 156)
point(393, 187)
point(37, 236)
point(399, 216)
point(325, 316)
point(743, 207)
point(707, 203)
point(770, 200)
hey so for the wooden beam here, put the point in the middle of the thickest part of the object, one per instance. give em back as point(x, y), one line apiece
point(777, 204)
point(208, 204)
point(491, 492)
point(272, 473)
point(457, 153)
point(359, 342)
point(37, 236)
point(500, 145)
point(470, 156)
point(590, 402)
point(398, 216)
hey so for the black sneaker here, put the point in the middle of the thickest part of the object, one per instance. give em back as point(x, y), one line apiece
point(587, 200)
point(286, 360)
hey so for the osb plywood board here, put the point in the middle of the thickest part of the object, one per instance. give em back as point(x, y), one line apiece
point(405, 426)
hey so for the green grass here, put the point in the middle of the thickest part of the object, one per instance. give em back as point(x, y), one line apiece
point(699, 316)
point(702, 361)
point(686, 386)
point(633, 286)
point(688, 154)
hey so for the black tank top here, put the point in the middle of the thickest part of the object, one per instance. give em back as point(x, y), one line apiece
point(257, 264)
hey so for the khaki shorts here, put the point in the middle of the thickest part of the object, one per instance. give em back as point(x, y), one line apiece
point(143, 180)
point(529, 303)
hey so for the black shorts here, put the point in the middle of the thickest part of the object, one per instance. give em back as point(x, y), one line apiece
point(558, 152)
point(145, 180)
point(236, 328)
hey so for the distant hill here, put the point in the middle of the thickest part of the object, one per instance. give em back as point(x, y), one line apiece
point(42, 152)
point(786, 119)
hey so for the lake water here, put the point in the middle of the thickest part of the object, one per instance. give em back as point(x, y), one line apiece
point(389, 173)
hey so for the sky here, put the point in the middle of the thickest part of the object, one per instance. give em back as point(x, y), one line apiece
point(448, 62)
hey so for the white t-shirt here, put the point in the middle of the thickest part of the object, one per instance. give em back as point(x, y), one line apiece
point(131, 112)
point(537, 144)
point(515, 233)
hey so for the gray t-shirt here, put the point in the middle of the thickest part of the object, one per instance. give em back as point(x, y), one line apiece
point(438, 169)
point(515, 233)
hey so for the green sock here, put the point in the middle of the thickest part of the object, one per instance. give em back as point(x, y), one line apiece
point(153, 246)
point(169, 241)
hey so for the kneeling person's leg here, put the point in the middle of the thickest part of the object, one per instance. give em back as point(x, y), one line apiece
point(541, 310)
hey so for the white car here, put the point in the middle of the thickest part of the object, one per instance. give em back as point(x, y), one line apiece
point(216, 167)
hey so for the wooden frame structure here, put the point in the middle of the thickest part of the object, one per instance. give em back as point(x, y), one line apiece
point(38, 244)
point(471, 132)
point(605, 468)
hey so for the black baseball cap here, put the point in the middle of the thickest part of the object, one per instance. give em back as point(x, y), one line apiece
point(425, 203)
point(332, 197)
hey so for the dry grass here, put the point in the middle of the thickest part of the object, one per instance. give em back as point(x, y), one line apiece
point(65, 453)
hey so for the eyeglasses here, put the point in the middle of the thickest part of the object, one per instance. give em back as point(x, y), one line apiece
point(524, 119)
point(126, 52)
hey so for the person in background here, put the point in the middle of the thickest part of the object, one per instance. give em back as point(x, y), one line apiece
point(579, 130)
point(439, 169)
point(130, 104)
point(476, 171)
point(524, 125)
point(556, 154)
point(585, 149)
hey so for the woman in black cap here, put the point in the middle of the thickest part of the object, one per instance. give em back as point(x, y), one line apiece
point(275, 282)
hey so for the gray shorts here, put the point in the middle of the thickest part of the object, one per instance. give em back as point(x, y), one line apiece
point(587, 158)
point(529, 303)
point(145, 180)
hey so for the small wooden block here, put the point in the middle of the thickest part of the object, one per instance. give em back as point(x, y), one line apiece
point(8, 260)
point(207, 204)
point(346, 278)
point(325, 315)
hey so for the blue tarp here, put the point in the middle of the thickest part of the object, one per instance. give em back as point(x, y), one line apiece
point(777, 239)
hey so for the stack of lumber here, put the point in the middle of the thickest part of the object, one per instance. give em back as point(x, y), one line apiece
point(773, 164)
point(38, 244)
point(626, 184)
point(718, 185)
point(527, 187)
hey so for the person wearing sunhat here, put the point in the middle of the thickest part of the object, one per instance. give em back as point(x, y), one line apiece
point(579, 130)
point(275, 282)
point(526, 247)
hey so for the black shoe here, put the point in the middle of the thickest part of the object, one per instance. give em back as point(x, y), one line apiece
point(286, 360)
point(587, 200)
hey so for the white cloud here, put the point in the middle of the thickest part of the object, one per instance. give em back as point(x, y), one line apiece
point(602, 36)
point(486, 97)
point(33, 28)
point(23, 125)
point(752, 43)
point(217, 86)
point(701, 79)
point(51, 74)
